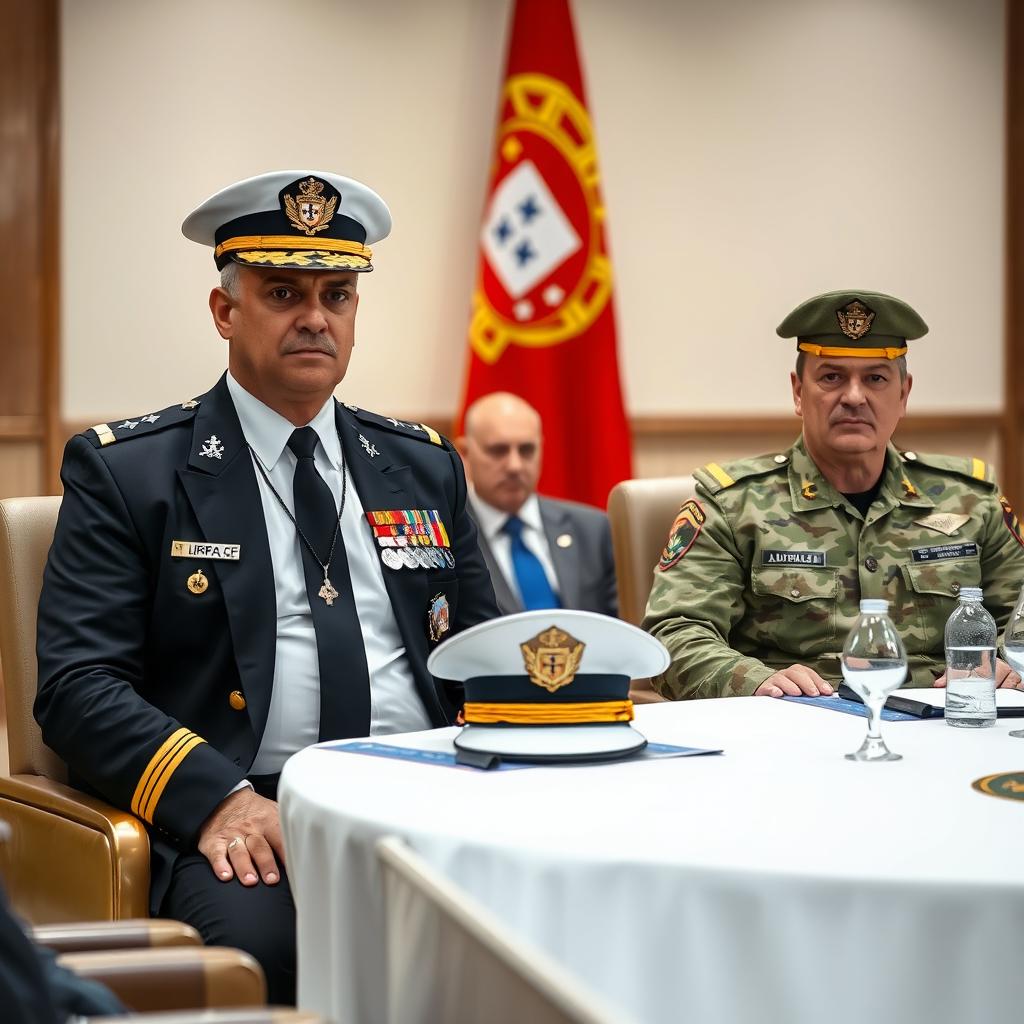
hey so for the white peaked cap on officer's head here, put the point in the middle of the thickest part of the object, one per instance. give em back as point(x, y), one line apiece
point(299, 220)
point(550, 685)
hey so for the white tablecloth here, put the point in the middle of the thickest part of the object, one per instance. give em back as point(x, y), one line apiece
point(775, 883)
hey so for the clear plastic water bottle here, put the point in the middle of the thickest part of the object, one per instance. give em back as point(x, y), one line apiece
point(874, 664)
point(970, 663)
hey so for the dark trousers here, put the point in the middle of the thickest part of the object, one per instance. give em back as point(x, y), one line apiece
point(259, 919)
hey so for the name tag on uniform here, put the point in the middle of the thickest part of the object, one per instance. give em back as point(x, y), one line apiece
point(943, 552)
point(769, 557)
point(205, 549)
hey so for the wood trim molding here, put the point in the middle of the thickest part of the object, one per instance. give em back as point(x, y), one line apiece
point(49, 132)
point(22, 428)
point(735, 426)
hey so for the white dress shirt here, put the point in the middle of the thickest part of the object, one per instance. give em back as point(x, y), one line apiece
point(492, 522)
point(293, 720)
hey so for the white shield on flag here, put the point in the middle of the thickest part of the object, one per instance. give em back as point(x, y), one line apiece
point(526, 235)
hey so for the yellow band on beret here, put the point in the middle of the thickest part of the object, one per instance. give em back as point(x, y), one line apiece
point(861, 353)
point(292, 242)
point(549, 714)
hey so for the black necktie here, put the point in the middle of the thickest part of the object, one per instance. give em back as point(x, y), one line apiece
point(344, 680)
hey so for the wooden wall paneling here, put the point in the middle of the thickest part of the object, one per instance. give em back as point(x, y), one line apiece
point(29, 249)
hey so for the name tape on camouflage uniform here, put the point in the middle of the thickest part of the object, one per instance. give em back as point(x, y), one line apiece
point(205, 549)
point(773, 557)
point(944, 552)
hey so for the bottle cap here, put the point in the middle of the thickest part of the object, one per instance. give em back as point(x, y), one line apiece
point(970, 593)
point(874, 606)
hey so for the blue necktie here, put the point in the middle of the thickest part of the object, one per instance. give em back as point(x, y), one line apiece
point(534, 588)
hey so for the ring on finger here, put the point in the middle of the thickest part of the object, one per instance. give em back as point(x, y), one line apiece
point(234, 842)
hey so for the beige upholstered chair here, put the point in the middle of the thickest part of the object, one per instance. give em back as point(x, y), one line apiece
point(641, 513)
point(54, 827)
point(449, 959)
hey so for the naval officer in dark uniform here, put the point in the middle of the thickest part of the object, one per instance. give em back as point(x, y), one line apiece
point(252, 570)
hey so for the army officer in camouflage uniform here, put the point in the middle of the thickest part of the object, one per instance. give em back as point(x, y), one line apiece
point(764, 569)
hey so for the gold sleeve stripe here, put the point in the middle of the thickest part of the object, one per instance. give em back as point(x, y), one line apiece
point(845, 353)
point(292, 242)
point(143, 803)
point(104, 433)
point(158, 790)
point(719, 474)
point(432, 434)
point(978, 469)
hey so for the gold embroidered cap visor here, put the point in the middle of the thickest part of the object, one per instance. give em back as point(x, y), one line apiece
point(550, 685)
point(301, 220)
point(859, 324)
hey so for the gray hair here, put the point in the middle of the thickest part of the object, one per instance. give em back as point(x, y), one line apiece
point(229, 278)
point(900, 361)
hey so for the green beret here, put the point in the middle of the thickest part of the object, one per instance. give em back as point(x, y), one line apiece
point(851, 323)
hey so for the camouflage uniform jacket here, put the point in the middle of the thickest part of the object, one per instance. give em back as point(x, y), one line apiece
point(767, 566)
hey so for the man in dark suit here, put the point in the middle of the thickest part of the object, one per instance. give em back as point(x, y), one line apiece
point(541, 553)
point(253, 570)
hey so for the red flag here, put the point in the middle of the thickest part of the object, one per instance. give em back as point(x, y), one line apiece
point(543, 322)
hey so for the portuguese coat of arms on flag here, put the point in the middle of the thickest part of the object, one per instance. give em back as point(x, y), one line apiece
point(542, 324)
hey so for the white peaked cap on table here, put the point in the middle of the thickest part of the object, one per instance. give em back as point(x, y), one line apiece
point(489, 658)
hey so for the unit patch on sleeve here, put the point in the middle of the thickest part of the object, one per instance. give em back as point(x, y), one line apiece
point(1011, 520)
point(684, 532)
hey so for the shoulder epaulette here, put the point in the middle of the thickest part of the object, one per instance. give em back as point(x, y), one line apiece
point(136, 426)
point(715, 477)
point(420, 431)
point(962, 465)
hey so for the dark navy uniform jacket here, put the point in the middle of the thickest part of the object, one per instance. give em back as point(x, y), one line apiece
point(136, 671)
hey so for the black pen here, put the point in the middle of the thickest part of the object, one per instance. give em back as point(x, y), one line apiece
point(917, 708)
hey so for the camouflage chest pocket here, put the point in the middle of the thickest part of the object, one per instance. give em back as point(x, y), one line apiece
point(933, 588)
point(794, 609)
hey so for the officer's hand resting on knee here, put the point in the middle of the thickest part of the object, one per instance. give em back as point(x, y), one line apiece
point(241, 838)
point(795, 681)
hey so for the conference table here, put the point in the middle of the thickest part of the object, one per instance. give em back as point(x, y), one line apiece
point(774, 882)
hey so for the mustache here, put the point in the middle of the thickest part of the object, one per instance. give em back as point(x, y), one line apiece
point(306, 340)
point(850, 414)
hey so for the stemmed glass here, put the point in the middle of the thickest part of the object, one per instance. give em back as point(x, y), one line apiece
point(1013, 643)
point(874, 664)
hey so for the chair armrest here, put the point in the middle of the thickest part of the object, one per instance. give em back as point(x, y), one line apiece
point(178, 978)
point(264, 1015)
point(71, 857)
point(84, 936)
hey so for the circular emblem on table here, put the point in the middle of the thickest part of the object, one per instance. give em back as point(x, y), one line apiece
point(545, 276)
point(1005, 784)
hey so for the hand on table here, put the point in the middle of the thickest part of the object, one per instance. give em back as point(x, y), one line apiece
point(795, 681)
point(1005, 677)
point(241, 837)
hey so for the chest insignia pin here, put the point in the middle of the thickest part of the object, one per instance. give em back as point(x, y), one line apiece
point(197, 582)
point(213, 448)
point(368, 448)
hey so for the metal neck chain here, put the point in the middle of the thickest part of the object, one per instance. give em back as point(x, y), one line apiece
point(288, 512)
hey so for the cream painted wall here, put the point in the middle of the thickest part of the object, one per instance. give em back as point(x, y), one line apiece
point(754, 153)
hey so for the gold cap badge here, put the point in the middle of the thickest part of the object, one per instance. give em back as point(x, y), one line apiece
point(311, 212)
point(552, 658)
point(855, 319)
